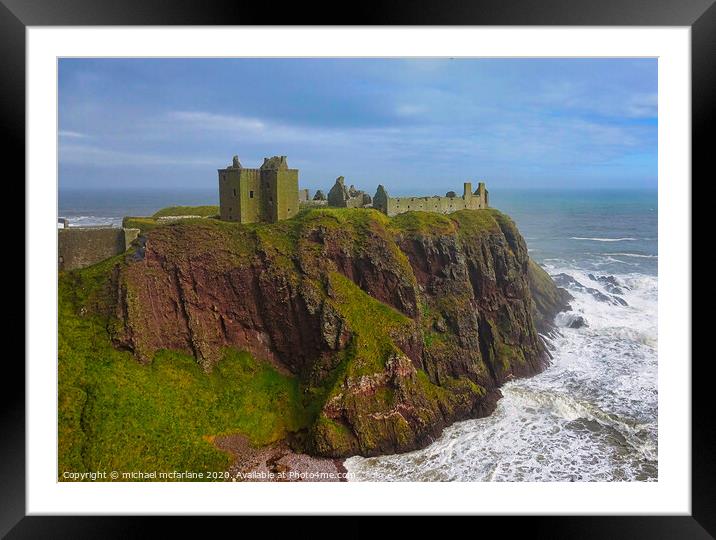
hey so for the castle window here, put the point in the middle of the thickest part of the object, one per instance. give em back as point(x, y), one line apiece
point(251, 194)
point(234, 192)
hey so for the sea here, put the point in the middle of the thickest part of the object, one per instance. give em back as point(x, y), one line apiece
point(592, 415)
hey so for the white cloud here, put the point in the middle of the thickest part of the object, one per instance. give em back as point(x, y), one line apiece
point(220, 122)
point(643, 105)
point(71, 134)
point(409, 110)
point(97, 156)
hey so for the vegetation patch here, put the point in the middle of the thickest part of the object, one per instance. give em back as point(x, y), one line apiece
point(117, 414)
point(373, 324)
point(473, 222)
point(202, 211)
point(144, 224)
point(422, 223)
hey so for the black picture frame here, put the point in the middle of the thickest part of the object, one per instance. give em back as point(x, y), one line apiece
point(16, 15)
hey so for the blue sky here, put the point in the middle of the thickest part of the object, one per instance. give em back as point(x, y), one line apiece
point(415, 125)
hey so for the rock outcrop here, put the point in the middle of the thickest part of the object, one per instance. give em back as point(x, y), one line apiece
point(395, 327)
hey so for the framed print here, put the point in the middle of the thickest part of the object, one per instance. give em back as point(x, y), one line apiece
point(435, 263)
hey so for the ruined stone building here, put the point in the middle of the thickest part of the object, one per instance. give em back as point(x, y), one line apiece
point(344, 197)
point(444, 205)
point(267, 194)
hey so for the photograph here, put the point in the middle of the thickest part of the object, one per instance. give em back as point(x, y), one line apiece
point(357, 269)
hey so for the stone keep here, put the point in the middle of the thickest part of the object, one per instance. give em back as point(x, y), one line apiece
point(267, 194)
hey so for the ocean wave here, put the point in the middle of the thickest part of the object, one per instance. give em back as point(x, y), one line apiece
point(570, 409)
point(639, 255)
point(591, 416)
point(93, 221)
point(625, 239)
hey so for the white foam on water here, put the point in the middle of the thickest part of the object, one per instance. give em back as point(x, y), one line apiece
point(590, 416)
point(93, 221)
point(637, 255)
point(627, 239)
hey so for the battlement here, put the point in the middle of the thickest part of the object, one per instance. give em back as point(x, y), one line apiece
point(275, 162)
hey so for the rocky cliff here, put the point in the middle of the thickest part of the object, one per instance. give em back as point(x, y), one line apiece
point(394, 327)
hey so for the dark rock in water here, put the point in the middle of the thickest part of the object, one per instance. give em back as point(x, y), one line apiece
point(571, 320)
point(599, 295)
point(620, 300)
point(610, 283)
point(565, 280)
point(548, 298)
point(577, 322)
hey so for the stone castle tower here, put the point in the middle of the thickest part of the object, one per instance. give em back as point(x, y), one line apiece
point(267, 194)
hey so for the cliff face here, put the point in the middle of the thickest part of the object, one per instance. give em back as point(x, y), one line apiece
point(395, 327)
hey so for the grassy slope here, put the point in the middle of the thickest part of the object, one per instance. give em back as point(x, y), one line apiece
point(203, 211)
point(147, 223)
point(116, 414)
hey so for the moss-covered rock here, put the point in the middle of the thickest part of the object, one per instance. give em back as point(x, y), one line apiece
point(548, 298)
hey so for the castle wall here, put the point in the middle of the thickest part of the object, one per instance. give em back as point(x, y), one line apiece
point(250, 196)
point(240, 194)
point(355, 202)
point(229, 194)
point(82, 247)
point(393, 206)
point(285, 192)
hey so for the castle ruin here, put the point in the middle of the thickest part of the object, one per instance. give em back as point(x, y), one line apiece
point(267, 194)
point(343, 197)
point(444, 205)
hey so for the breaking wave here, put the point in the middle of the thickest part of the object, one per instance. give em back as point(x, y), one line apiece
point(93, 221)
point(590, 416)
point(627, 239)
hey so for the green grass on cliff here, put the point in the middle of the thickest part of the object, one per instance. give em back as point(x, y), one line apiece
point(147, 223)
point(203, 211)
point(117, 414)
point(422, 223)
point(144, 224)
point(373, 323)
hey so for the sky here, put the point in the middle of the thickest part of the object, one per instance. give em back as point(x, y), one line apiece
point(421, 126)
